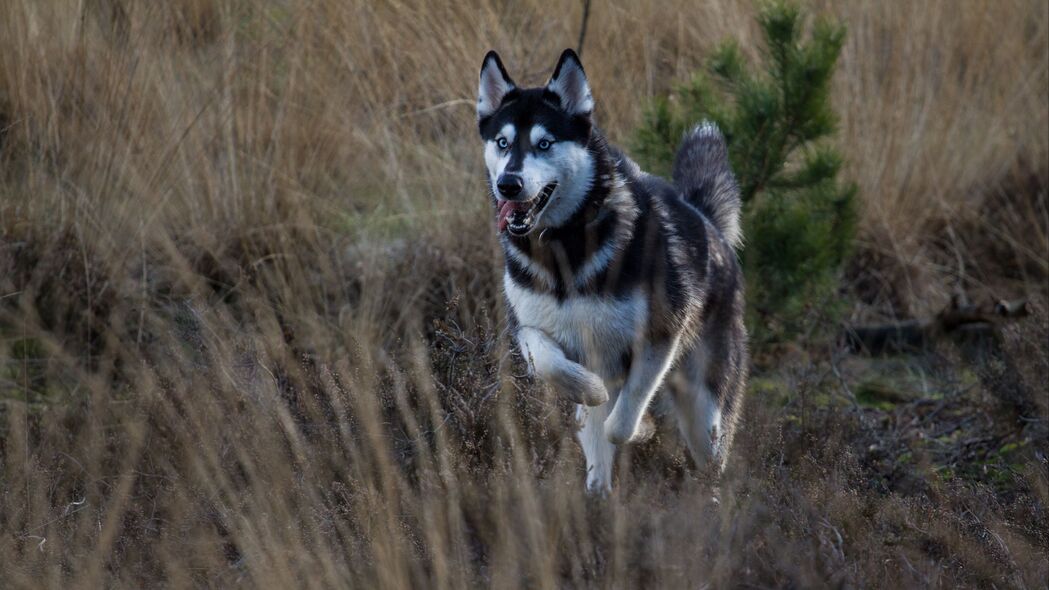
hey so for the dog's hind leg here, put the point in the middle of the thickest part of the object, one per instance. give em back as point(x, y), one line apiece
point(697, 412)
point(597, 449)
point(707, 387)
point(569, 378)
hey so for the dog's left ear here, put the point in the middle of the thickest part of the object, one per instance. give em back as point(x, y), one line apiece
point(570, 85)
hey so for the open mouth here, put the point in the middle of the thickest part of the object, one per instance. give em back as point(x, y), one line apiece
point(518, 217)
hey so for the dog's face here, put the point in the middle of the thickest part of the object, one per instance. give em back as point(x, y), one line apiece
point(536, 144)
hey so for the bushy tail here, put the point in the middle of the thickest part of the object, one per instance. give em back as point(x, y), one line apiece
point(703, 175)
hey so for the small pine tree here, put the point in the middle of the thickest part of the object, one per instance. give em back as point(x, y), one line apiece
point(799, 219)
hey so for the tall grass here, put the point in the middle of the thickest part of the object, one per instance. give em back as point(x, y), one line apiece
point(251, 325)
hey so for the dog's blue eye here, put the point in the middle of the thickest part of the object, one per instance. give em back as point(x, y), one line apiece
point(544, 144)
point(502, 143)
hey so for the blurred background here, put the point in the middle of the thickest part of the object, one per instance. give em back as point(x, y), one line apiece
point(251, 329)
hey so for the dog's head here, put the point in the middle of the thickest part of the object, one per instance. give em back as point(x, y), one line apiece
point(536, 144)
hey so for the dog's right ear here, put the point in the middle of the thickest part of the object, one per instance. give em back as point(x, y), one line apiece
point(495, 84)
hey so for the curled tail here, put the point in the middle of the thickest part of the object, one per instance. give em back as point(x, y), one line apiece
point(703, 175)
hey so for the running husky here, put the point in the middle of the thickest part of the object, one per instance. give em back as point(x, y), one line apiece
point(618, 282)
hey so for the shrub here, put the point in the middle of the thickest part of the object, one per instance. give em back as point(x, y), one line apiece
point(799, 218)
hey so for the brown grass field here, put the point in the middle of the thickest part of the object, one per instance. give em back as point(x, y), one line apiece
point(251, 331)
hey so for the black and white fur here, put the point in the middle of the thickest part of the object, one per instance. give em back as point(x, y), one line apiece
point(620, 285)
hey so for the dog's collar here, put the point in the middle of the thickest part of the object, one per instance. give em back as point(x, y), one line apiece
point(592, 215)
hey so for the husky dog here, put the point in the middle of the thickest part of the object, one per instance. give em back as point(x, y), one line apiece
point(621, 286)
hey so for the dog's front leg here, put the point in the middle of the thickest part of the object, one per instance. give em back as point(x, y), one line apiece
point(569, 378)
point(597, 449)
point(647, 371)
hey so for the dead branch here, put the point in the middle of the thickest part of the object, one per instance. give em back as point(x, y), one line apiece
point(582, 27)
point(957, 319)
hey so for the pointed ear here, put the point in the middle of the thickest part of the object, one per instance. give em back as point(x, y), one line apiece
point(570, 85)
point(494, 85)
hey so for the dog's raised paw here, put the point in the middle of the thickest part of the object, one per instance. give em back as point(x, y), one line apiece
point(580, 386)
point(592, 390)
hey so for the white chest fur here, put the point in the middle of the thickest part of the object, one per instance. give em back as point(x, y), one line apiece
point(594, 331)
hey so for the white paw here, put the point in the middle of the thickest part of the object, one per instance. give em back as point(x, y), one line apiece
point(619, 428)
point(598, 484)
point(646, 430)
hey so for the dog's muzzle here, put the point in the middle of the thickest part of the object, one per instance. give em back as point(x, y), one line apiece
point(518, 217)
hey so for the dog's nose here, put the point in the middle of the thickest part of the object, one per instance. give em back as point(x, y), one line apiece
point(509, 185)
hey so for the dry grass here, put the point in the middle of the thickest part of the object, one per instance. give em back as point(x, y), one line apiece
point(250, 327)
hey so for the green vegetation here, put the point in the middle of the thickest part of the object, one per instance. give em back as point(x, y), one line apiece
point(777, 117)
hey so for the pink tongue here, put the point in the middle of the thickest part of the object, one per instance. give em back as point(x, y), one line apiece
point(508, 207)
